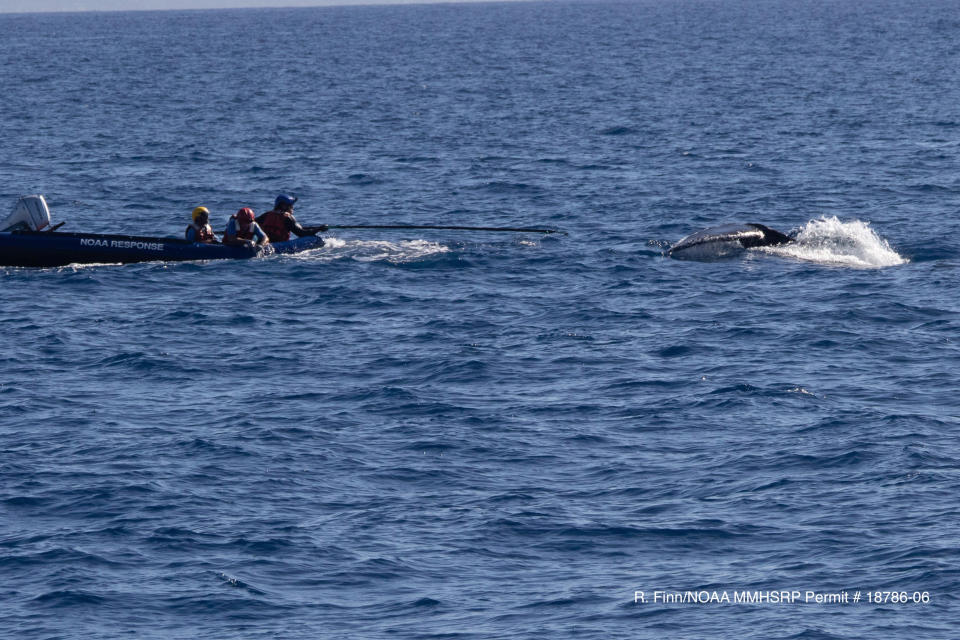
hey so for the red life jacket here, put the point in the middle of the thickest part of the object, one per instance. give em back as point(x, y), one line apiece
point(274, 224)
point(201, 234)
point(243, 235)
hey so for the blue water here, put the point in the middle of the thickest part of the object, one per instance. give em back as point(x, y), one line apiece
point(487, 435)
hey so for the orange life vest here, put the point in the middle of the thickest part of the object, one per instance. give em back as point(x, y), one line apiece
point(201, 234)
point(274, 224)
point(243, 235)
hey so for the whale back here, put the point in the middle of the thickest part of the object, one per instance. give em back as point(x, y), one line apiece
point(726, 240)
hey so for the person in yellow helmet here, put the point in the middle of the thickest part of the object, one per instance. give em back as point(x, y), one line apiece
point(200, 229)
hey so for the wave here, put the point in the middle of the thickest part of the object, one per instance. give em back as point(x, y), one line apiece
point(831, 241)
point(396, 252)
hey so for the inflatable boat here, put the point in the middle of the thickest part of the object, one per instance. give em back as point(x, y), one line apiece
point(27, 241)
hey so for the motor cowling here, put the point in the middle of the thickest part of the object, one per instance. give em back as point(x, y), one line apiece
point(29, 213)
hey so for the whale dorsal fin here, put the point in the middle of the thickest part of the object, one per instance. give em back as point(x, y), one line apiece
point(771, 236)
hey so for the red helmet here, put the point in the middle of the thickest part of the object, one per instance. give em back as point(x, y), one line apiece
point(245, 215)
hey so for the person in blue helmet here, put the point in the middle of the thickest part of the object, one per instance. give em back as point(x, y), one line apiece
point(279, 222)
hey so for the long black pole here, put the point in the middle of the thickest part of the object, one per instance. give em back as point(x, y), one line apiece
point(428, 226)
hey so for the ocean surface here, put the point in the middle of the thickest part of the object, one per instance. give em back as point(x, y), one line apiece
point(482, 435)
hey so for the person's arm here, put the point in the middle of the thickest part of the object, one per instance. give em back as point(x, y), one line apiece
point(294, 227)
point(260, 235)
point(234, 241)
point(191, 234)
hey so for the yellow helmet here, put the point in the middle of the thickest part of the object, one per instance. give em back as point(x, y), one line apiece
point(198, 211)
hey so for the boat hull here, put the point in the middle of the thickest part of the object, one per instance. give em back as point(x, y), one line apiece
point(56, 249)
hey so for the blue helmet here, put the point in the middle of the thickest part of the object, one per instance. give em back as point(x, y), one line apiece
point(284, 199)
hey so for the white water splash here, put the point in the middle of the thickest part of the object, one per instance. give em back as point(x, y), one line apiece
point(849, 244)
point(374, 250)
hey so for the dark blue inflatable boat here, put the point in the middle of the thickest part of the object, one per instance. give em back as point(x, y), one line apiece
point(28, 240)
point(24, 248)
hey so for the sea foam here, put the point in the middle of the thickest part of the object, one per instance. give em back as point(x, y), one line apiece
point(828, 240)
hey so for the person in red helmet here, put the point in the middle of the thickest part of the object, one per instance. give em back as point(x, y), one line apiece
point(243, 231)
point(279, 222)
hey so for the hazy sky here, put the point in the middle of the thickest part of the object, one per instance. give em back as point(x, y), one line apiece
point(17, 6)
